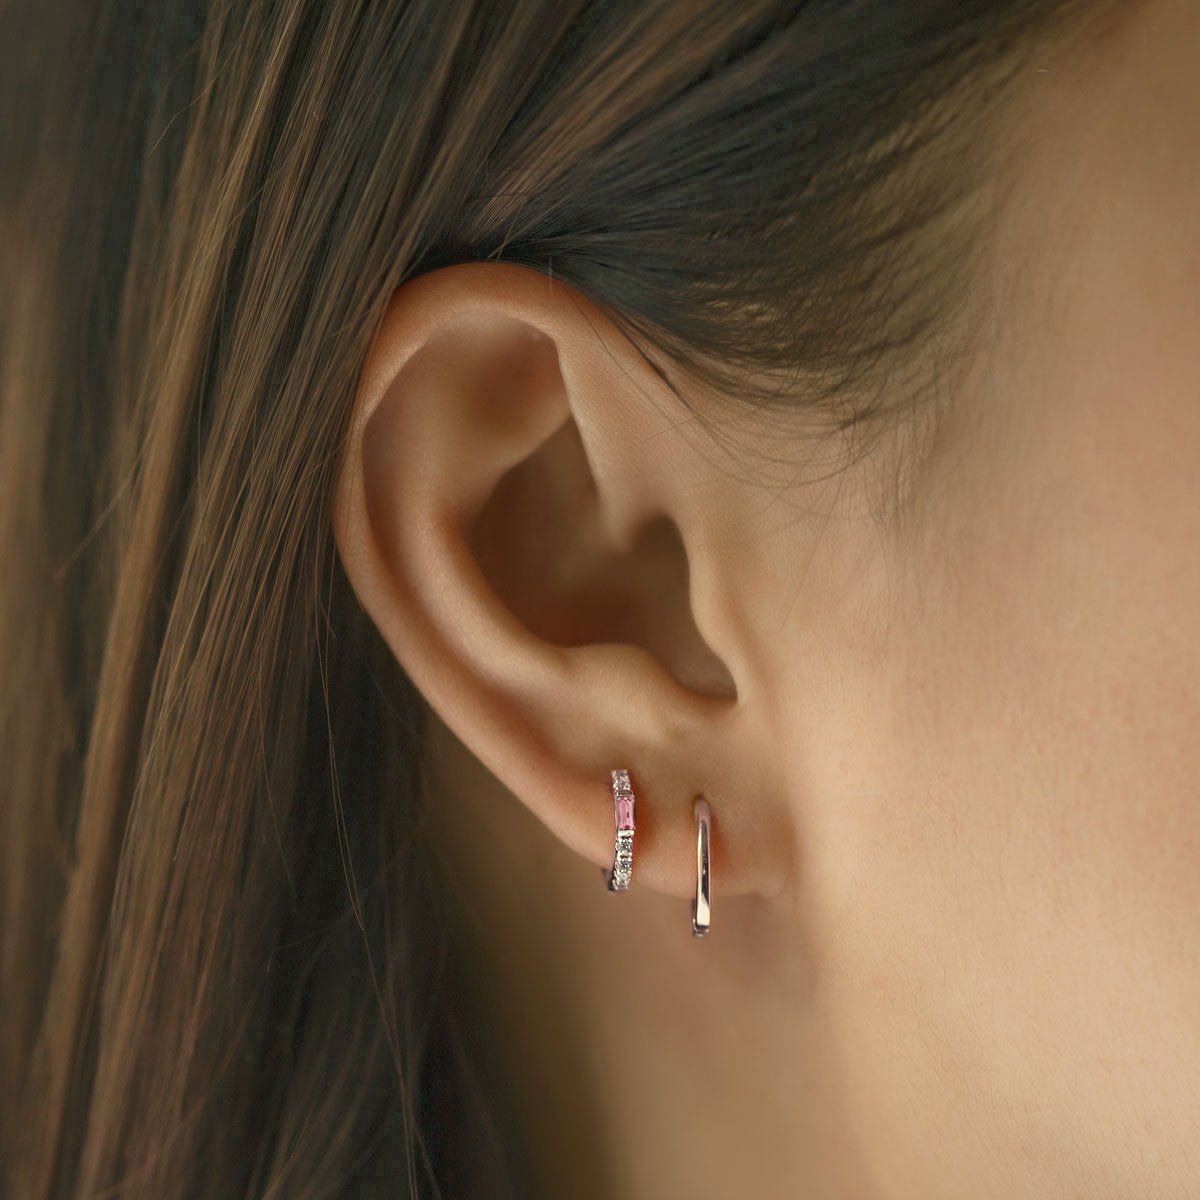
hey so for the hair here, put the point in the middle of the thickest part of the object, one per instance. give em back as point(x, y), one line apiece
point(227, 965)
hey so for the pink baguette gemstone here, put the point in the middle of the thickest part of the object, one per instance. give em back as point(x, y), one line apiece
point(624, 805)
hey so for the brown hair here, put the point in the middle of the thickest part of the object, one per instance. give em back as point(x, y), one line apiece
point(224, 967)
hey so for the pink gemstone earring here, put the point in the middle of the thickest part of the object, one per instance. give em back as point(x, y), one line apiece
point(624, 803)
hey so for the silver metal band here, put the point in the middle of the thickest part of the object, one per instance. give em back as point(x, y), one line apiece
point(702, 904)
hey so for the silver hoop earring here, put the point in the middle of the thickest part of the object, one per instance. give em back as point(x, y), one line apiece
point(624, 805)
point(702, 904)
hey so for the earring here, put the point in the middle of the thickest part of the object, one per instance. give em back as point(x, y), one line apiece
point(702, 904)
point(624, 803)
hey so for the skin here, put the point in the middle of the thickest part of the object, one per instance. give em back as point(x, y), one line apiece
point(952, 752)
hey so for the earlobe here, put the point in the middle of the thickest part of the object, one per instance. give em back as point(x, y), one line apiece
point(526, 571)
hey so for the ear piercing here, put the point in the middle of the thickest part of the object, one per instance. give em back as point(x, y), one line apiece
point(624, 813)
point(702, 904)
point(624, 803)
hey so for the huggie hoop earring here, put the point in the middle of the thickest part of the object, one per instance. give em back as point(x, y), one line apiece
point(624, 803)
point(702, 904)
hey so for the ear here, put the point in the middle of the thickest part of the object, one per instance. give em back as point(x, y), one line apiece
point(537, 530)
